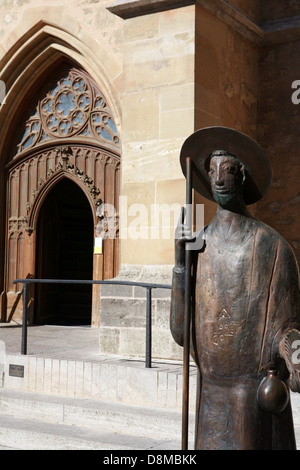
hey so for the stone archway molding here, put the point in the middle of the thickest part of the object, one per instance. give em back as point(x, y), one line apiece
point(62, 170)
point(46, 36)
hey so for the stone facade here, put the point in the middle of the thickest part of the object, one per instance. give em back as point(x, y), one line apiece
point(166, 68)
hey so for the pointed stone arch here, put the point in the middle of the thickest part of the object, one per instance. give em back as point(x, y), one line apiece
point(46, 188)
point(50, 40)
point(41, 49)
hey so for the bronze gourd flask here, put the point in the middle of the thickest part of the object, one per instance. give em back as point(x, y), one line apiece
point(272, 393)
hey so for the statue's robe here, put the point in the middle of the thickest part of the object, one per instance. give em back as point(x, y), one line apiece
point(245, 296)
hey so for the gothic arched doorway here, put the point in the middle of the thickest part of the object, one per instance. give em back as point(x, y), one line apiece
point(64, 247)
point(67, 138)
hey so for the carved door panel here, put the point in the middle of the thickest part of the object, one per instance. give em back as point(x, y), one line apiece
point(95, 172)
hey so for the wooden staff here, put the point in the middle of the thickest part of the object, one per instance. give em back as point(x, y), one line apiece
point(187, 312)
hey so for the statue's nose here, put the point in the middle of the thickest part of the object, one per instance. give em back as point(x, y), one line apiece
point(219, 180)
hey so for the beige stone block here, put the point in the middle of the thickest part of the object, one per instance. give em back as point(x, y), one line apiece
point(159, 49)
point(176, 123)
point(122, 382)
point(63, 377)
point(161, 343)
point(55, 385)
point(141, 387)
point(104, 381)
point(79, 378)
point(152, 160)
point(39, 387)
point(162, 385)
point(170, 198)
point(163, 223)
point(135, 210)
point(96, 383)
point(113, 382)
point(87, 379)
point(193, 390)
point(177, 20)
point(171, 191)
point(32, 15)
point(109, 343)
point(32, 366)
point(161, 315)
point(161, 274)
point(47, 375)
point(142, 27)
point(178, 97)
point(71, 378)
point(111, 66)
point(160, 72)
point(140, 116)
point(139, 193)
point(133, 342)
point(172, 391)
point(148, 251)
point(127, 312)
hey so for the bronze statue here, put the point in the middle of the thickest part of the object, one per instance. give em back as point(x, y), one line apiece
point(245, 301)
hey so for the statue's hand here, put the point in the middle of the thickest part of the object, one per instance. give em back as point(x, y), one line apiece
point(183, 235)
point(289, 348)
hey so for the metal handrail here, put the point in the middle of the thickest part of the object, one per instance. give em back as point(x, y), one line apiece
point(148, 286)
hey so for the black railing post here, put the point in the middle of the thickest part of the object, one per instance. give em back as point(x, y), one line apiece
point(148, 328)
point(24, 321)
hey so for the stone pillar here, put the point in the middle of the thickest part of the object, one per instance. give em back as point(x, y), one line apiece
point(157, 116)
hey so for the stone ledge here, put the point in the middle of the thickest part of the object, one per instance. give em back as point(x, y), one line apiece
point(129, 9)
point(116, 380)
point(152, 273)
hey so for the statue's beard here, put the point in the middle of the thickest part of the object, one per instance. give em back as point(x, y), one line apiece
point(228, 199)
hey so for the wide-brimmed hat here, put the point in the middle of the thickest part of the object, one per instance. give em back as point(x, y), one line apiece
point(200, 145)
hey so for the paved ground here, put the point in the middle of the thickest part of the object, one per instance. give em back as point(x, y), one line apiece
point(68, 342)
point(53, 341)
point(74, 343)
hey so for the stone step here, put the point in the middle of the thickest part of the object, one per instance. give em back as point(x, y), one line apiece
point(112, 380)
point(42, 421)
point(30, 434)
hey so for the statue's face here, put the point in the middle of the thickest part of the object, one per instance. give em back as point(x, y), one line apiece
point(225, 179)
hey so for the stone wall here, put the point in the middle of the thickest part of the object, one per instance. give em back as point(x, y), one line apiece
point(278, 122)
point(158, 114)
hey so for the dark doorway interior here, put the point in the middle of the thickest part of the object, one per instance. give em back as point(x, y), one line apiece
point(64, 251)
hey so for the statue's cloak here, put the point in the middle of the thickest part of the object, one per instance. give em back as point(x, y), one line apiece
point(245, 296)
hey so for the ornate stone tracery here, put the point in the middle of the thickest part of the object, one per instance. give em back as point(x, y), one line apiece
point(73, 107)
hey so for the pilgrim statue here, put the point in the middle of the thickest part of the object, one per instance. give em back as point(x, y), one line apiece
point(245, 301)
